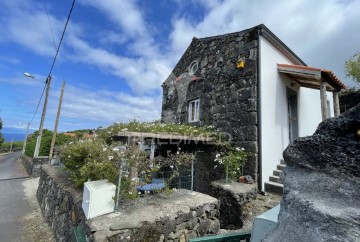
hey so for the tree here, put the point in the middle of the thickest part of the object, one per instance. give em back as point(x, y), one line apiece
point(45, 142)
point(352, 67)
point(2, 140)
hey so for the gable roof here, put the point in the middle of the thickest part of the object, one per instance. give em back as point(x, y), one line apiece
point(281, 46)
point(197, 44)
point(195, 47)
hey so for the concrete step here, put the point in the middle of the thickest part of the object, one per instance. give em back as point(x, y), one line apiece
point(281, 167)
point(282, 162)
point(274, 187)
point(277, 172)
point(275, 179)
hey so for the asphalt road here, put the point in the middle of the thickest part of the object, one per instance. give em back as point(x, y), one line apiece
point(10, 167)
point(13, 205)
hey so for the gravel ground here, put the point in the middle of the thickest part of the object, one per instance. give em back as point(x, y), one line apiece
point(35, 227)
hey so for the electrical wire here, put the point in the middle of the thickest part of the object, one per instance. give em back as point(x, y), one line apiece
point(57, 52)
point(62, 36)
point(37, 107)
point(52, 33)
point(47, 14)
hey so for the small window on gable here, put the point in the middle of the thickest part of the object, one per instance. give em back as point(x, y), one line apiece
point(194, 107)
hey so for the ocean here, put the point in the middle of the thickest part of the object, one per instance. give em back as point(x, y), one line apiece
point(15, 136)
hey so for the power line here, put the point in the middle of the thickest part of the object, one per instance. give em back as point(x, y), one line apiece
point(57, 52)
point(47, 14)
point(37, 107)
point(52, 33)
point(62, 36)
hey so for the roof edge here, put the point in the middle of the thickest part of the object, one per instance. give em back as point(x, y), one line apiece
point(267, 33)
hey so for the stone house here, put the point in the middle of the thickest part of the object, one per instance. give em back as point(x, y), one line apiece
point(250, 85)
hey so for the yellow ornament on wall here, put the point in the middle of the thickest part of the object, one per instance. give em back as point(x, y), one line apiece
point(240, 64)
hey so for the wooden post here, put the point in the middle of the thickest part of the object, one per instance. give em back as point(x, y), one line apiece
point(323, 100)
point(24, 145)
point(336, 104)
point(38, 140)
point(56, 122)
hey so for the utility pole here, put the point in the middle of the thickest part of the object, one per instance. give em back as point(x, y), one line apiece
point(24, 145)
point(56, 122)
point(38, 140)
point(12, 140)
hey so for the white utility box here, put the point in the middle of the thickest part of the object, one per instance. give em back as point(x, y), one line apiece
point(264, 223)
point(98, 198)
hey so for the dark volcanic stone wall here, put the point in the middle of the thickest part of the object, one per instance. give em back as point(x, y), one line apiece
point(60, 204)
point(228, 95)
point(349, 98)
point(33, 165)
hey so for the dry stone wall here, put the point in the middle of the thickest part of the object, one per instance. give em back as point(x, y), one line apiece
point(60, 203)
point(173, 222)
point(232, 198)
point(33, 165)
point(174, 218)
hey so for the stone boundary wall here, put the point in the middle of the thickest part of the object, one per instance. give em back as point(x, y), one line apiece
point(349, 98)
point(27, 163)
point(171, 219)
point(33, 165)
point(176, 219)
point(232, 198)
point(60, 203)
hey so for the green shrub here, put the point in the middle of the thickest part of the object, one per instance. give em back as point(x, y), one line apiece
point(156, 127)
point(17, 145)
point(90, 159)
point(231, 159)
point(44, 146)
point(45, 142)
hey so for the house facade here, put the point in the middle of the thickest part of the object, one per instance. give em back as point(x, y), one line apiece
point(250, 85)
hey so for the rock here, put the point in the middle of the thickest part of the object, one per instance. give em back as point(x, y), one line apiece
point(232, 197)
point(321, 200)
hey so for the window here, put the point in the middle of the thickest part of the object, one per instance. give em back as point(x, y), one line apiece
point(194, 110)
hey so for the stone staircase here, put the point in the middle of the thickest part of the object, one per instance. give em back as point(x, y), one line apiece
point(274, 185)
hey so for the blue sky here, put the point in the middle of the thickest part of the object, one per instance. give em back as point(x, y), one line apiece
point(116, 54)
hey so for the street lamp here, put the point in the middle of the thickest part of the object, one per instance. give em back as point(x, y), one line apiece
point(38, 140)
point(29, 75)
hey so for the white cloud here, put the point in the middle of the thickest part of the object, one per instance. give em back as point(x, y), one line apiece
point(140, 73)
point(9, 59)
point(21, 80)
point(323, 33)
point(20, 29)
point(125, 14)
point(106, 106)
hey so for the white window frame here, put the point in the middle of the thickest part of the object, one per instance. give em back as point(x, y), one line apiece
point(194, 110)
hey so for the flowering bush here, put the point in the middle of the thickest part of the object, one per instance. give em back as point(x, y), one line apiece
point(156, 127)
point(231, 159)
point(90, 159)
point(175, 162)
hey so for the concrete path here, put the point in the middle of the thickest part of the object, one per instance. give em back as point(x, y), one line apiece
point(20, 215)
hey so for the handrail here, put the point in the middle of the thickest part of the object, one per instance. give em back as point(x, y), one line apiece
point(236, 237)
